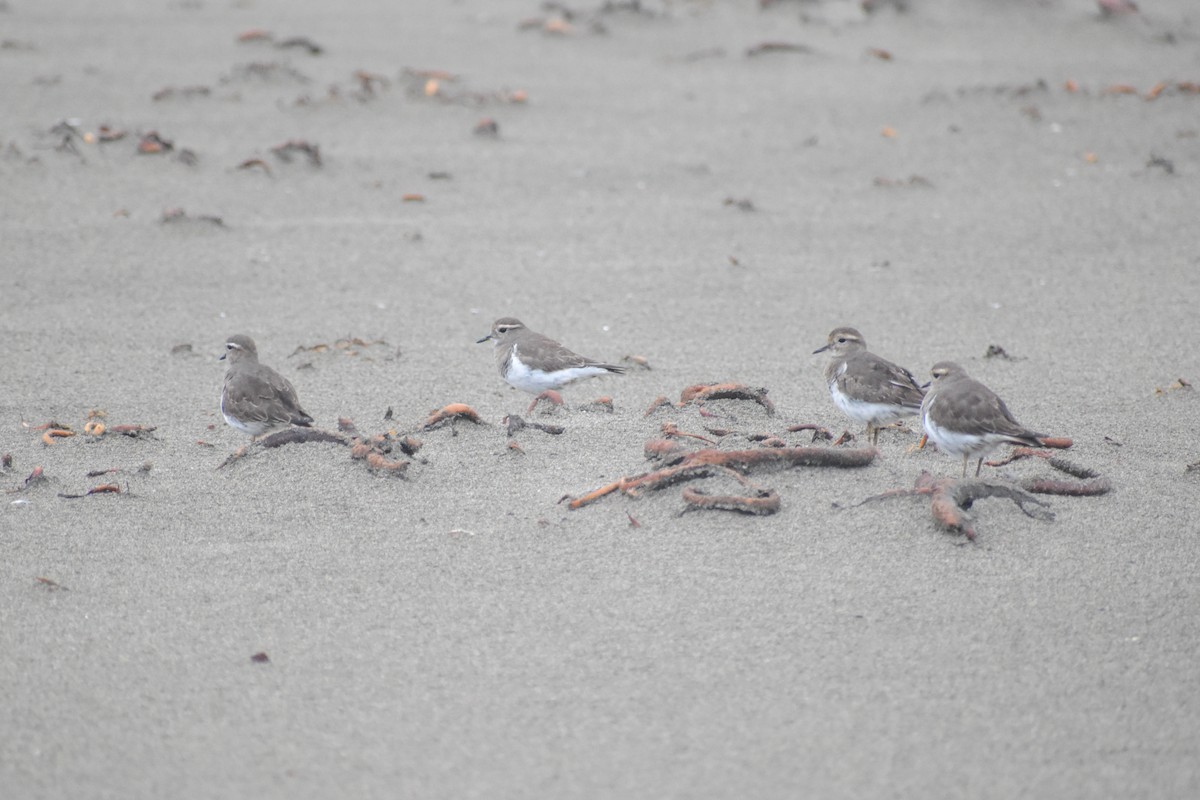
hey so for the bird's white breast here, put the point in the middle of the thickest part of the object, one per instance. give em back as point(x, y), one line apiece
point(960, 444)
point(535, 381)
point(861, 410)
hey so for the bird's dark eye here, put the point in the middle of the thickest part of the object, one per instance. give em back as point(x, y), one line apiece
point(228, 347)
point(841, 340)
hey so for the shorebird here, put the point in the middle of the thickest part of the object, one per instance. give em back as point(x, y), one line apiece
point(965, 418)
point(864, 386)
point(537, 364)
point(255, 398)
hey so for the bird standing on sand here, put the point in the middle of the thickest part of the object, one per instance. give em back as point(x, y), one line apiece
point(255, 398)
point(864, 386)
point(965, 418)
point(537, 364)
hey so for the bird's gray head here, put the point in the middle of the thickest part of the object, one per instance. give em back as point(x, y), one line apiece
point(503, 329)
point(947, 369)
point(842, 341)
point(239, 347)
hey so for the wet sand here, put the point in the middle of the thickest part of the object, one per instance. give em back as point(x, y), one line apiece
point(653, 189)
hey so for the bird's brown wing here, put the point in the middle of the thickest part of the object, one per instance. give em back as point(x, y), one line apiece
point(553, 356)
point(881, 381)
point(980, 411)
point(268, 397)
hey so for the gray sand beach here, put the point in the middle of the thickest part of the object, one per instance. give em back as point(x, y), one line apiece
point(708, 186)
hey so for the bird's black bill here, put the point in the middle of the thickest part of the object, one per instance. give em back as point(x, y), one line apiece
point(820, 350)
point(484, 339)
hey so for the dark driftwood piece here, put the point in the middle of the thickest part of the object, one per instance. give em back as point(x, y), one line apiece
point(950, 498)
point(726, 391)
point(709, 461)
point(302, 436)
point(515, 424)
point(1088, 488)
point(287, 436)
point(761, 502)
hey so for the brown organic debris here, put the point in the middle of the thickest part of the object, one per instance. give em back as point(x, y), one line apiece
point(846, 438)
point(177, 215)
point(686, 466)
point(47, 426)
point(56, 433)
point(701, 392)
point(550, 396)
point(515, 424)
point(104, 488)
point(171, 92)
point(367, 81)
point(35, 477)
point(286, 436)
point(1092, 487)
point(134, 431)
point(950, 498)
point(432, 84)
point(819, 434)
point(300, 43)
point(761, 502)
point(301, 436)
point(251, 163)
point(1179, 383)
point(671, 431)
point(765, 48)
point(603, 405)
point(152, 144)
point(740, 203)
point(665, 450)
point(379, 463)
point(659, 402)
point(451, 413)
point(638, 362)
point(255, 35)
point(284, 152)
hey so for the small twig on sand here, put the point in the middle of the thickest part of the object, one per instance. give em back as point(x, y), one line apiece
point(286, 436)
point(701, 392)
point(761, 502)
point(450, 413)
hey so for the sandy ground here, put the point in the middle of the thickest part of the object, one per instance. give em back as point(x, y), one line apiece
point(659, 192)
